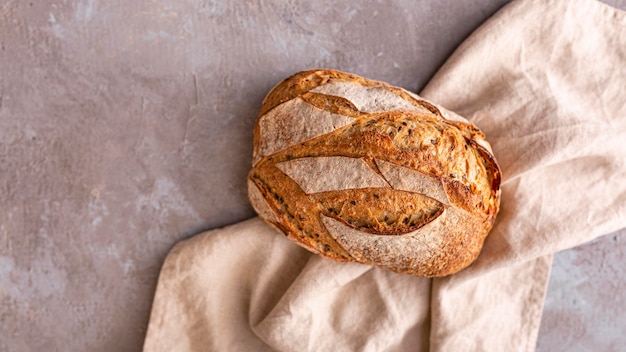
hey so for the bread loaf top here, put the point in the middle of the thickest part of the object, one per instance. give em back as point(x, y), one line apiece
point(358, 170)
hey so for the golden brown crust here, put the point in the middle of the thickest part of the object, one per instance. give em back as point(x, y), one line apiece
point(426, 212)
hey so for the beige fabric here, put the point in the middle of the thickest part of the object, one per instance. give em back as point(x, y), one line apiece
point(544, 80)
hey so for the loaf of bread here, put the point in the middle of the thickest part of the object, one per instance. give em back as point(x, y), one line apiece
point(358, 170)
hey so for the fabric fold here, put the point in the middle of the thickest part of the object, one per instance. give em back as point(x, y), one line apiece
point(331, 308)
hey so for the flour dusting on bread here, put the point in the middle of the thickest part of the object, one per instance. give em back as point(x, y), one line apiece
point(358, 170)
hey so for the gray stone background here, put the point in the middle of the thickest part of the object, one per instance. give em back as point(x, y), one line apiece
point(126, 126)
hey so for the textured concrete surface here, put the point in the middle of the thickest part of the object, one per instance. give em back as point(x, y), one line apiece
point(585, 308)
point(126, 126)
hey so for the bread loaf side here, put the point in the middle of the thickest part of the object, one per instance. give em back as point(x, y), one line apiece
point(358, 170)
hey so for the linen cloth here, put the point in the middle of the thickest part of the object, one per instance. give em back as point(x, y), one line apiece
point(545, 81)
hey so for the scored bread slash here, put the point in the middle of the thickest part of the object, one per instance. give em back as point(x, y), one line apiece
point(358, 170)
point(290, 123)
point(319, 174)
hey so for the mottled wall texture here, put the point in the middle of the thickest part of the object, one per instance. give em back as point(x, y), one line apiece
point(126, 126)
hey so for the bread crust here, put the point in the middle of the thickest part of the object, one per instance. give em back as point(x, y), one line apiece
point(381, 177)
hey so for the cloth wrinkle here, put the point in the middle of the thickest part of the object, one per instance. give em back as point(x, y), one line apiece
point(254, 321)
